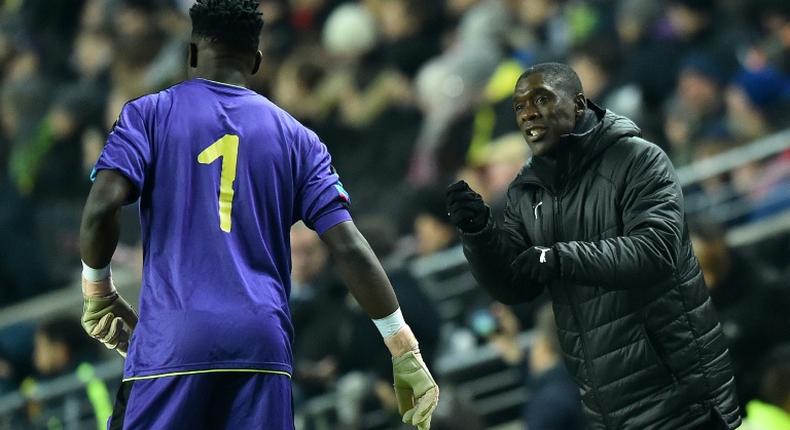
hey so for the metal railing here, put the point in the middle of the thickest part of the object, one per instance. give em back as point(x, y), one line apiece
point(727, 161)
point(726, 203)
point(64, 300)
point(111, 369)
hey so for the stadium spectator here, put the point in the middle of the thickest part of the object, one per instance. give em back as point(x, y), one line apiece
point(554, 402)
point(432, 229)
point(315, 290)
point(691, 27)
point(61, 349)
point(491, 118)
point(407, 41)
point(736, 288)
point(449, 86)
point(501, 163)
point(751, 191)
point(417, 306)
point(771, 409)
point(596, 63)
point(42, 162)
point(7, 384)
point(553, 239)
point(770, 194)
point(459, 414)
point(500, 327)
point(634, 20)
point(298, 79)
point(278, 40)
point(148, 60)
point(371, 99)
point(21, 273)
point(758, 100)
point(695, 109)
point(773, 18)
point(309, 16)
point(546, 29)
point(52, 28)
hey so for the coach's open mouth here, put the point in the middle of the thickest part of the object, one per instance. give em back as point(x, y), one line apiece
point(535, 133)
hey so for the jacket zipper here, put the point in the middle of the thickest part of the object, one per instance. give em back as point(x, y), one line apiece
point(576, 311)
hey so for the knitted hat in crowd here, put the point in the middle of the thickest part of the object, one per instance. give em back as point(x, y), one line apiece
point(765, 88)
point(705, 6)
point(706, 66)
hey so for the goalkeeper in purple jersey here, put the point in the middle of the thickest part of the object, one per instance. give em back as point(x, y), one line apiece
point(221, 175)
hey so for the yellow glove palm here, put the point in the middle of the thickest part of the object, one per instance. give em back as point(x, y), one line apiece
point(415, 389)
point(109, 319)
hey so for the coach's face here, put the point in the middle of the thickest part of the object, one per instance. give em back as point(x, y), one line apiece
point(544, 113)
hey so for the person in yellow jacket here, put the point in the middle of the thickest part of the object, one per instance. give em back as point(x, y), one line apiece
point(772, 410)
point(58, 353)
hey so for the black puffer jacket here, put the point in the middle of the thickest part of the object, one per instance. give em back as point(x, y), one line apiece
point(636, 324)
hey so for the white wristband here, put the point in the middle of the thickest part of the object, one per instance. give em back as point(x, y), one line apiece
point(95, 275)
point(390, 324)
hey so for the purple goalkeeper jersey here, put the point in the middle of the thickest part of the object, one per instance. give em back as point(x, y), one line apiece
point(221, 174)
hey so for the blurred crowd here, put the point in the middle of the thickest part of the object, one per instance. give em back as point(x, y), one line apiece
point(408, 95)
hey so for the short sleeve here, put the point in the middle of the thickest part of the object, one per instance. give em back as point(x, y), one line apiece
point(322, 202)
point(128, 149)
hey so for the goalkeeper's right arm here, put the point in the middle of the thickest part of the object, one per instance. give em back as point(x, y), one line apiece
point(415, 388)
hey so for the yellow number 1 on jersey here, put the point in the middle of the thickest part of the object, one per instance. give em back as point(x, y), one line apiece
point(226, 147)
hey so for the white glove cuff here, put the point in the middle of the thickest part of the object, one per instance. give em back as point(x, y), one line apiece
point(390, 324)
point(95, 275)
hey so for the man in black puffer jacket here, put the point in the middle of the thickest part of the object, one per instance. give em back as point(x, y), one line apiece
point(596, 216)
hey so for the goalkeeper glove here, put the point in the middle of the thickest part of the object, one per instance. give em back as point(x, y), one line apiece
point(415, 390)
point(106, 316)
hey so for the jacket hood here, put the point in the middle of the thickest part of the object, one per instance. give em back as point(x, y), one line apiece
point(597, 130)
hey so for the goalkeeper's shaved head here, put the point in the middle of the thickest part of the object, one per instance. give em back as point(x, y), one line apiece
point(231, 24)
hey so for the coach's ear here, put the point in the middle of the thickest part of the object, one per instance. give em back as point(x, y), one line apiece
point(257, 64)
point(193, 55)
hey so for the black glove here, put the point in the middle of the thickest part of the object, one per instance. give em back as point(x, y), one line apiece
point(466, 208)
point(537, 264)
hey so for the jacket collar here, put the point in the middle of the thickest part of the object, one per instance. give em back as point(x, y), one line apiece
point(597, 130)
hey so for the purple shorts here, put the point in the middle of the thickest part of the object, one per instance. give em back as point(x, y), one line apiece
point(222, 400)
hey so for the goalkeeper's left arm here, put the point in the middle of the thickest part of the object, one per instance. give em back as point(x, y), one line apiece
point(106, 316)
point(415, 389)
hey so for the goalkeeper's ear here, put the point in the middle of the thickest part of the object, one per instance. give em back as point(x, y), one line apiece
point(257, 64)
point(193, 55)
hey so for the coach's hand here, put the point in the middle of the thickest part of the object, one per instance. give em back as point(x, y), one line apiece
point(106, 316)
point(466, 208)
point(536, 264)
point(415, 390)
